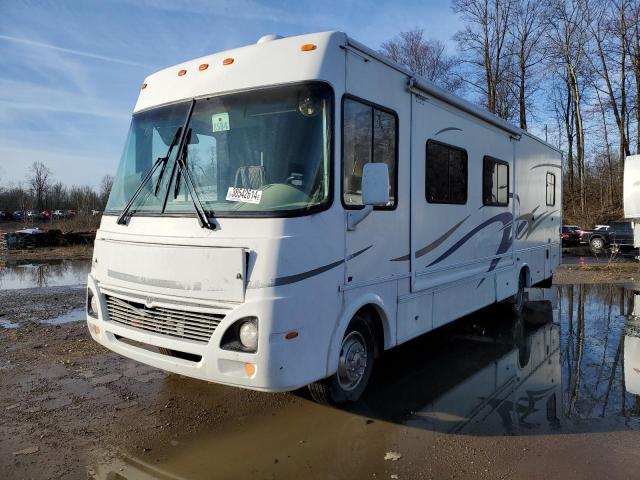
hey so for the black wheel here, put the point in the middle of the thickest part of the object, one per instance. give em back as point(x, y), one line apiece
point(517, 302)
point(354, 367)
point(596, 245)
point(522, 342)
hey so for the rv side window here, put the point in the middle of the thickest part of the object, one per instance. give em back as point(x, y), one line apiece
point(495, 182)
point(551, 189)
point(369, 135)
point(446, 176)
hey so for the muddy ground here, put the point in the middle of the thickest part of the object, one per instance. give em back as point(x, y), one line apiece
point(71, 409)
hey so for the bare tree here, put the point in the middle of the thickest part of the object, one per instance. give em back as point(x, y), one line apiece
point(568, 43)
point(424, 57)
point(485, 48)
point(57, 195)
point(105, 189)
point(634, 54)
point(610, 30)
point(38, 180)
point(527, 28)
point(607, 148)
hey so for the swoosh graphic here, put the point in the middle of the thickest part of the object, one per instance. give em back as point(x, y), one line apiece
point(503, 218)
point(540, 165)
point(276, 282)
point(433, 245)
point(448, 129)
point(541, 219)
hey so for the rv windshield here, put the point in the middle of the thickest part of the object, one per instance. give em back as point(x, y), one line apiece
point(262, 152)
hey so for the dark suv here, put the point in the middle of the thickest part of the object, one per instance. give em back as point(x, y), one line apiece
point(619, 234)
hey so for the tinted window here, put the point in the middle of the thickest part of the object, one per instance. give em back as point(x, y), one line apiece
point(369, 135)
point(622, 227)
point(495, 182)
point(446, 174)
point(551, 189)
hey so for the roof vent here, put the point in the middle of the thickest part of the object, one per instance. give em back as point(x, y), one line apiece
point(269, 38)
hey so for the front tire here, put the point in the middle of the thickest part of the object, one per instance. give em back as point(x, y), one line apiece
point(596, 245)
point(355, 365)
point(517, 302)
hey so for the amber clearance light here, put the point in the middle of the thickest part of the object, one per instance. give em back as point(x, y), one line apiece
point(307, 47)
point(203, 67)
point(227, 61)
point(182, 73)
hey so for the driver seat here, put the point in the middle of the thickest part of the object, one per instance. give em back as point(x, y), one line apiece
point(250, 176)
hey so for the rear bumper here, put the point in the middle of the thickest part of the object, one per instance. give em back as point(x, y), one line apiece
point(279, 363)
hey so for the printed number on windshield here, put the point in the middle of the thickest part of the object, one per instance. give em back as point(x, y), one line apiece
point(243, 195)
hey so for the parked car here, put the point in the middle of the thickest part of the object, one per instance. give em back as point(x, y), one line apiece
point(4, 216)
point(58, 214)
point(572, 236)
point(33, 214)
point(70, 213)
point(619, 234)
point(18, 215)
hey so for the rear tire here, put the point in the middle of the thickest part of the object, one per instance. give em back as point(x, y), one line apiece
point(355, 365)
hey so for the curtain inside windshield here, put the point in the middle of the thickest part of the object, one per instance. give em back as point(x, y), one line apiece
point(254, 152)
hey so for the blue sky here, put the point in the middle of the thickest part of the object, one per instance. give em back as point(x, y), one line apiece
point(70, 71)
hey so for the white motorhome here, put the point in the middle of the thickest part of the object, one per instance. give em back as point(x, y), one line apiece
point(631, 195)
point(286, 211)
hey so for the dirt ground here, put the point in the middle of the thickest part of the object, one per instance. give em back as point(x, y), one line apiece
point(68, 252)
point(621, 273)
point(70, 409)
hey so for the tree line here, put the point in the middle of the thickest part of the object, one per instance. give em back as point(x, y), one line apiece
point(568, 68)
point(40, 191)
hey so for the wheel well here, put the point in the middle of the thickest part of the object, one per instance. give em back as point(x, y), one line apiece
point(373, 317)
point(527, 276)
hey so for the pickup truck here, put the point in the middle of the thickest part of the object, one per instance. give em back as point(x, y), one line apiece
point(619, 234)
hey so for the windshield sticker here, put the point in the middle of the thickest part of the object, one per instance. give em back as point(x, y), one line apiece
point(220, 122)
point(247, 195)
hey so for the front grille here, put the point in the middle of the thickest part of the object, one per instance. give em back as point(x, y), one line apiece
point(167, 321)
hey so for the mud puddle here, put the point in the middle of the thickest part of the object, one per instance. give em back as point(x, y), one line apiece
point(4, 323)
point(18, 274)
point(553, 393)
point(75, 315)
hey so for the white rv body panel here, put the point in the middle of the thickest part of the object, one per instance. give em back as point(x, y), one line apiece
point(415, 266)
point(631, 194)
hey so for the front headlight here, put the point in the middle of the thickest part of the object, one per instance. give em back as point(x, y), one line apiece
point(249, 335)
point(92, 304)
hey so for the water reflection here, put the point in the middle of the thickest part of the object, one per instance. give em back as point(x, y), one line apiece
point(593, 356)
point(43, 273)
point(632, 354)
point(489, 374)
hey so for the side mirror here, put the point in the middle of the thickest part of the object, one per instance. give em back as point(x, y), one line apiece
point(375, 184)
point(375, 192)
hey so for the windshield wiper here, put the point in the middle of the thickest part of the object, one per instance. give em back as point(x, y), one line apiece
point(165, 160)
point(183, 173)
point(122, 218)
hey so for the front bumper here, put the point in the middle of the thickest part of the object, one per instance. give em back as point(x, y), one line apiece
point(277, 365)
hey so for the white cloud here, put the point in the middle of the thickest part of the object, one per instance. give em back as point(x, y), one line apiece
point(70, 51)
